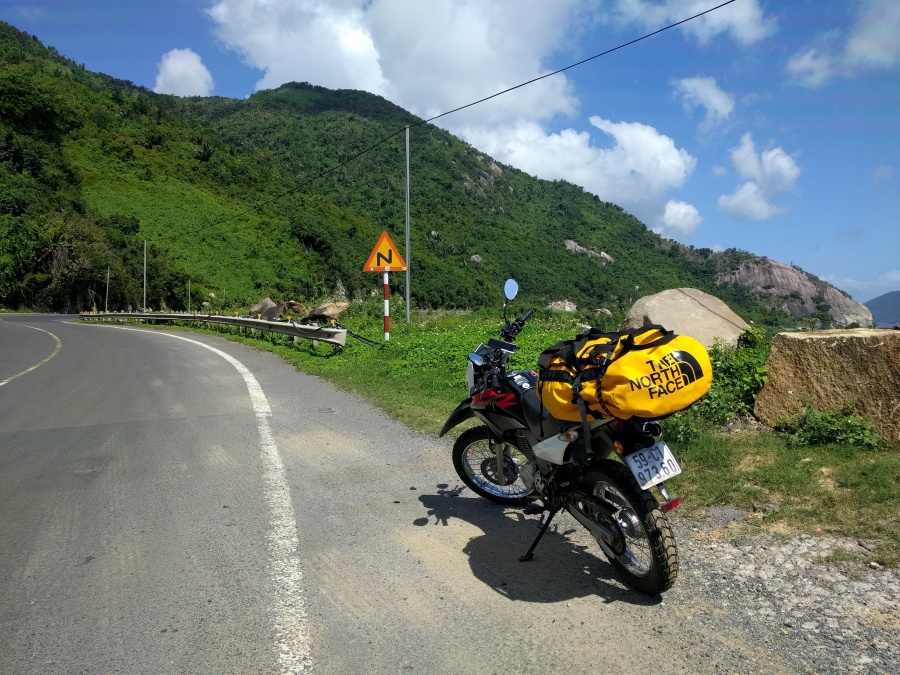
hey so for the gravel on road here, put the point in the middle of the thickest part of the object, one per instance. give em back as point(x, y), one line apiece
point(818, 603)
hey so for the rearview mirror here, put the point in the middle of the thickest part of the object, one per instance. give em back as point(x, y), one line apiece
point(510, 289)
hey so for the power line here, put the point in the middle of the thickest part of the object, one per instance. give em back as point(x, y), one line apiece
point(583, 61)
point(384, 140)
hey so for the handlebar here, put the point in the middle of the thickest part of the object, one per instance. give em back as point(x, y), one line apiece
point(510, 331)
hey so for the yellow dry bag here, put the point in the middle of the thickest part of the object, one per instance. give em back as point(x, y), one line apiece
point(648, 372)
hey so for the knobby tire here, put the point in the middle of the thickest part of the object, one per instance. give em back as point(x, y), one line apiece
point(661, 550)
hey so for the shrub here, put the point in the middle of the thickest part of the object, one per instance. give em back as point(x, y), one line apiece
point(738, 375)
point(817, 427)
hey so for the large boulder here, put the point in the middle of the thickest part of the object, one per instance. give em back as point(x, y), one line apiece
point(330, 310)
point(833, 368)
point(269, 310)
point(261, 306)
point(689, 312)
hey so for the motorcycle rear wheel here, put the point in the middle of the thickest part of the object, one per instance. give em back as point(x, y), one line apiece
point(649, 561)
point(476, 464)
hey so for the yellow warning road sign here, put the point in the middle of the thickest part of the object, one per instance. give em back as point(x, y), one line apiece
point(385, 257)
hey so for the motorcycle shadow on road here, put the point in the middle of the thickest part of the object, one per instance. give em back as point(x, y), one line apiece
point(567, 564)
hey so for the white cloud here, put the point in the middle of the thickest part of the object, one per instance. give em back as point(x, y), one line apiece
point(871, 43)
point(749, 202)
point(875, 39)
point(704, 92)
point(891, 278)
point(811, 68)
point(767, 175)
point(636, 171)
point(182, 73)
point(447, 53)
point(325, 43)
point(743, 21)
point(866, 290)
point(883, 172)
point(679, 219)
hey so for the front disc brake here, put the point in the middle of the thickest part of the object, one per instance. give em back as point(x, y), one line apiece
point(510, 472)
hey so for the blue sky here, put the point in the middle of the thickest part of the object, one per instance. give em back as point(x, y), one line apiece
point(773, 127)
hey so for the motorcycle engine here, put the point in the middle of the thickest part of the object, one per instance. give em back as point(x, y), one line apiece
point(531, 476)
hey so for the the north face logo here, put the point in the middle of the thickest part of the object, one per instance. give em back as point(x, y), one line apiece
point(689, 366)
point(673, 372)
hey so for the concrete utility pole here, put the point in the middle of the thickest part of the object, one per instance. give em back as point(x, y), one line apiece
point(106, 302)
point(408, 263)
point(144, 308)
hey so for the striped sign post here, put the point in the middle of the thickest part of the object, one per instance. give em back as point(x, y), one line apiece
point(385, 258)
point(387, 308)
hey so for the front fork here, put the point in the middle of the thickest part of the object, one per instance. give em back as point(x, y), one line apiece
point(499, 453)
point(505, 470)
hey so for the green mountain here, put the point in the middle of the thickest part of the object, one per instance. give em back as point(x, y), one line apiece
point(285, 194)
point(885, 309)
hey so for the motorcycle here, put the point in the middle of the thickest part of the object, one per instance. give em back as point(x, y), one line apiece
point(522, 456)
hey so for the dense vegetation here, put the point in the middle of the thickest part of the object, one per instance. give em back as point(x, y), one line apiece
point(252, 198)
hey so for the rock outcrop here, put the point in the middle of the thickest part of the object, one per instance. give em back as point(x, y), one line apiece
point(802, 295)
point(563, 306)
point(833, 368)
point(689, 312)
point(573, 246)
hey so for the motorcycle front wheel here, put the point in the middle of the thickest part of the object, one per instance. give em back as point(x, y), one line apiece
point(648, 557)
point(475, 460)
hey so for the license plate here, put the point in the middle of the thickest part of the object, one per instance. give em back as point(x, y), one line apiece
point(651, 466)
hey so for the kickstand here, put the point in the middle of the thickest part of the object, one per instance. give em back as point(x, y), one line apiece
point(528, 556)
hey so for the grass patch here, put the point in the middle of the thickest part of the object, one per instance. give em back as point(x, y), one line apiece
point(833, 489)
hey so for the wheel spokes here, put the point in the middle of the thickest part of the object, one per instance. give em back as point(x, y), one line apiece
point(480, 463)
point(637, 557)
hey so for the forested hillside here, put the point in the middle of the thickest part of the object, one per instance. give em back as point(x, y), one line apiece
point(246, 198)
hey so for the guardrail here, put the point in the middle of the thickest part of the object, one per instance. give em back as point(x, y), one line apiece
point(335, 336)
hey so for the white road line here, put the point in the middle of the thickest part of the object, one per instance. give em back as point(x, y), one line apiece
point(288, 607)
point(37, 365)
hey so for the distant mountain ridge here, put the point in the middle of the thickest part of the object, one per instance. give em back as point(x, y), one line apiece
point(248, 198)
point(885, 309)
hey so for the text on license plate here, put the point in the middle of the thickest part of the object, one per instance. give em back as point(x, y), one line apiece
point(653, 465)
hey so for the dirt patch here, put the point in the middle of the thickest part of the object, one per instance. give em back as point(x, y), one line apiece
point(730, 532)
point(880, 618)
point(753, 462)
point(826, 482)
point(782, 528)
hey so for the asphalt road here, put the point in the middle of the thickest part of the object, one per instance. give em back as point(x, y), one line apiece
point(176, 503)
